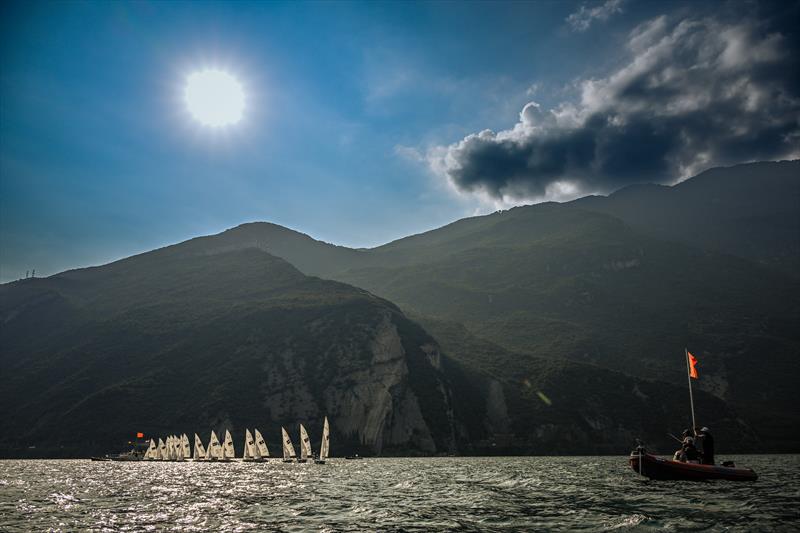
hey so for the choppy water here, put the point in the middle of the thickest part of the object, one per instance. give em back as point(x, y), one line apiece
point(470, 494)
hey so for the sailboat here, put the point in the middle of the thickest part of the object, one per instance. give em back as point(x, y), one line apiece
point(199, 451)
point(214, 448)
point(185, 448)
point(227, 447)
point(261, 451)
point(152, 451)
point(324, 447)
point(249, 453)
point(288, 450)
point(162, 450)
point(178, 446)
point(305, 446)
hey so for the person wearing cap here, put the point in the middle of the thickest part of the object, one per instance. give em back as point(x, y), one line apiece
point(707, 445)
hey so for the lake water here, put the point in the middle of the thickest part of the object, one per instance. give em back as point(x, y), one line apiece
point(436, 494)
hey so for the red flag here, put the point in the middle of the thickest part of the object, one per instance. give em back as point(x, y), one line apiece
point(139, 435)
point(692, 366)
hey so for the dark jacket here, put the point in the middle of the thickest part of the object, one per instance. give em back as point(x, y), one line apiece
point(707, 447)
point(691, 452)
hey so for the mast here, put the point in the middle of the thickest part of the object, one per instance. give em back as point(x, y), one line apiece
point(689, 377)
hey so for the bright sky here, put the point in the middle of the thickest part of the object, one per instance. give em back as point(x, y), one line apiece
point(347, 107)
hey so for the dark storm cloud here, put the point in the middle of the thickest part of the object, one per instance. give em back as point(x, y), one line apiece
point(693, 94)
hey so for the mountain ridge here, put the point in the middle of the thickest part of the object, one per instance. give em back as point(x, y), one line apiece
point(554, 294)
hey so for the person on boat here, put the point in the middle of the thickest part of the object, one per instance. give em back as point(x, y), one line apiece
point(706, 445)
point(688, 452)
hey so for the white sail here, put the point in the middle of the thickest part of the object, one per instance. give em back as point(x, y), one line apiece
point(227, 447)
point(199, 451)
point(170, 448)
point(324, 447)
point(176, 443)
point(305, 444)
point(214, 449)
point(162, 450)
point(249, 445)
point(288, 449)
point(261, 445)
point(185, 447)
point(149, 453)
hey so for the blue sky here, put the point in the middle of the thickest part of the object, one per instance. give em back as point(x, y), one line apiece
point(348, 106)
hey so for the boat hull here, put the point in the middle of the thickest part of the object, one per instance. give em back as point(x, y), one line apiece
point(665, 469)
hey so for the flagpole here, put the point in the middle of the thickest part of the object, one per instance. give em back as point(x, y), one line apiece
point(689, 377)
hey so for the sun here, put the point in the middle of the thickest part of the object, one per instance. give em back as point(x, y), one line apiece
point(214, 98)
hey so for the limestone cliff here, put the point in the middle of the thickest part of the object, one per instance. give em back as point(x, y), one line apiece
point(185, 340)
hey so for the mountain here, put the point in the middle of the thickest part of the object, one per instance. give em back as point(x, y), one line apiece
point(561, 283)
point(553, 328)
point(185, 339)
point(205, 335)
point(749, 211)
point(622, 283)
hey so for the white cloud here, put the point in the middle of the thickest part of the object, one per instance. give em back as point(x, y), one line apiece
point(582, 19)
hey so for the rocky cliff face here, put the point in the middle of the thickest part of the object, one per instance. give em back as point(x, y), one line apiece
point(189, 340)
point(372, 405)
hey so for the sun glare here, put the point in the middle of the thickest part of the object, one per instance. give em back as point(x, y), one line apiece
point(214, 98)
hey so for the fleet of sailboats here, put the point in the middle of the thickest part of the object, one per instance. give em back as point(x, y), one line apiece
point(177, 448)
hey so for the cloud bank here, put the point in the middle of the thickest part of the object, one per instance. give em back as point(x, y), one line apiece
point(693, 93)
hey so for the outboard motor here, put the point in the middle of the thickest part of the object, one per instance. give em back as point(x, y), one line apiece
point(639, 453)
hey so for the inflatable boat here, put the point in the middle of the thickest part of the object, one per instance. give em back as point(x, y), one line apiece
point(654, 467)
